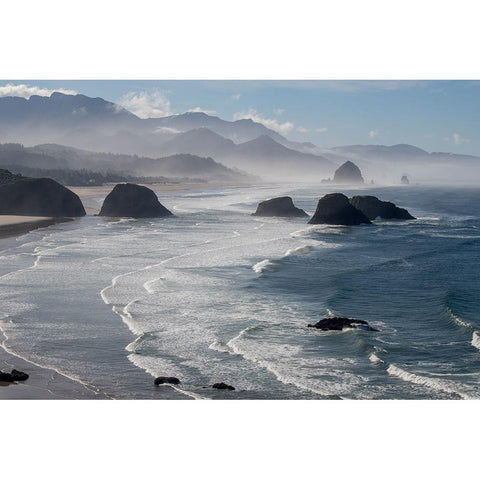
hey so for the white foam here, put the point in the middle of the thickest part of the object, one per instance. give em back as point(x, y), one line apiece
point(266, 266)
point(299, 250)
point(476, 340)
point(433, 383)
point(375, 359)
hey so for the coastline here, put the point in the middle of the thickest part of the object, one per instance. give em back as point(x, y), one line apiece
point(16, 225)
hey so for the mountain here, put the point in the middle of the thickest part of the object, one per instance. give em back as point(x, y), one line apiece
point(60, 157)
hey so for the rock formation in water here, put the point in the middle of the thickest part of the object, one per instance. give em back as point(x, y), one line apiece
point(222, 386)
point(279, 207)
point(335, 209)
point(348, 173)
point(163, 380)
point(339, 323)
point(15, 376)
point(404, 180)
point(130, 200)
point(42, 197)
point(374, 208)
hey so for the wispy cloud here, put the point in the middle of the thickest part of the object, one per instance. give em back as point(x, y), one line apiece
point(236, 96)
point(302, 129)
point(278, 111)
point(203, 110)
point(152, 104)
point(457, 139)
point(373, 133)
point(271, 123)
point(321, 129)
point(26, 91)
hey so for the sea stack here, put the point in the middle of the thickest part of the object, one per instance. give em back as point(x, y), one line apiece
point(135, 201)
point(374, 208)
point(404, 180)
point(348, 173)
point(42, 197)
point(335, 209)
point(279, 207)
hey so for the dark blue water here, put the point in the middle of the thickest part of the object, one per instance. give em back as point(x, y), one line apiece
point(217, 295)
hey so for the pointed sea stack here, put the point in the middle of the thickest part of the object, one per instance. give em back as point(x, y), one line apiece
point(373, 208)
point(279, 207)
point(404, 180)
point(135, 201)
point(41, 197)
point(335, 209)
point(348, 173)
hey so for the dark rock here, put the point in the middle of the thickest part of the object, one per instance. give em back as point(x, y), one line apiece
point(373, 208)
point(222, 386)
point(42, 197)
point(348, 173)
point(404, 180)
point(279, 207)
point(163, 380)
point(19, 376)
point(130, 200)
point(6, 377)
point(339, 323)
point(335, 209)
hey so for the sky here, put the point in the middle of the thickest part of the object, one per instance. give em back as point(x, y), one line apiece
point(433, 115)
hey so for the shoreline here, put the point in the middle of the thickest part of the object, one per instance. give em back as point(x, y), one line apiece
point(16, 225)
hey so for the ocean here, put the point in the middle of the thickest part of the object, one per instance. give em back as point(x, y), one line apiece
point(216, 295)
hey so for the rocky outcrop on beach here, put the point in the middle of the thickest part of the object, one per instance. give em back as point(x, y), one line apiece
point(41, 197)
point(131, 200)
point(279, 207)
point(335, 209)
point(14, 376)
point(163, 380)
point(340, 323)
point(374, 208)
point(348, 173)
point(222, 386)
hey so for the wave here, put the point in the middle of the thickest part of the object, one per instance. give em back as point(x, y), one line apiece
point(374, 358)
point(476, 340)
point(444, 386)
point(299, 250)
point(266, 266)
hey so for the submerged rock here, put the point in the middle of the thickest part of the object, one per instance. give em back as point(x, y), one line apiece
point(339, 323)
point(222, 386)
point(348, 173)
point(15, 376)
point(41, 197)
point(279, 207)
point(131, 200)
point(163, 380)
point(335, 209)
point(373, 208)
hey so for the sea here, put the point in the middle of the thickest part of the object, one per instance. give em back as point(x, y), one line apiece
point(215, 294)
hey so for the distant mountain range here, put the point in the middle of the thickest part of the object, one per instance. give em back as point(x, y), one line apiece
point(96, 125)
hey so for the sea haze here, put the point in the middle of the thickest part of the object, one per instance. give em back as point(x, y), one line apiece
point(214, 294)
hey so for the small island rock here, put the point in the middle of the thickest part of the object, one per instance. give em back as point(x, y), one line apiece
point(339, 323)
point(163, 380)
point(404, 180)
point(373, 208)
point(130, 200)
point(222, 386)
point(279, 207)
point(335, 209)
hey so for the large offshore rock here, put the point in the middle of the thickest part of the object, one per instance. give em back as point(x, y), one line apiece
point(335, 209)
point(279, 207)
point(348, 173)
point(130, 200)
point(374, 208)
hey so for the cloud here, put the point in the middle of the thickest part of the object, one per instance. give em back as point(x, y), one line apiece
point(166, 130)
point(271, 123)
point(321, 129)
point(302, 129)
point(203, 110)
point(26, 91)
point(458, 139)
point(147, 104)
point(373, 133)
point(237, 96)
point(278, 111)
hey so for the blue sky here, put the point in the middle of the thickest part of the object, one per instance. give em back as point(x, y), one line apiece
point(434, 115)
